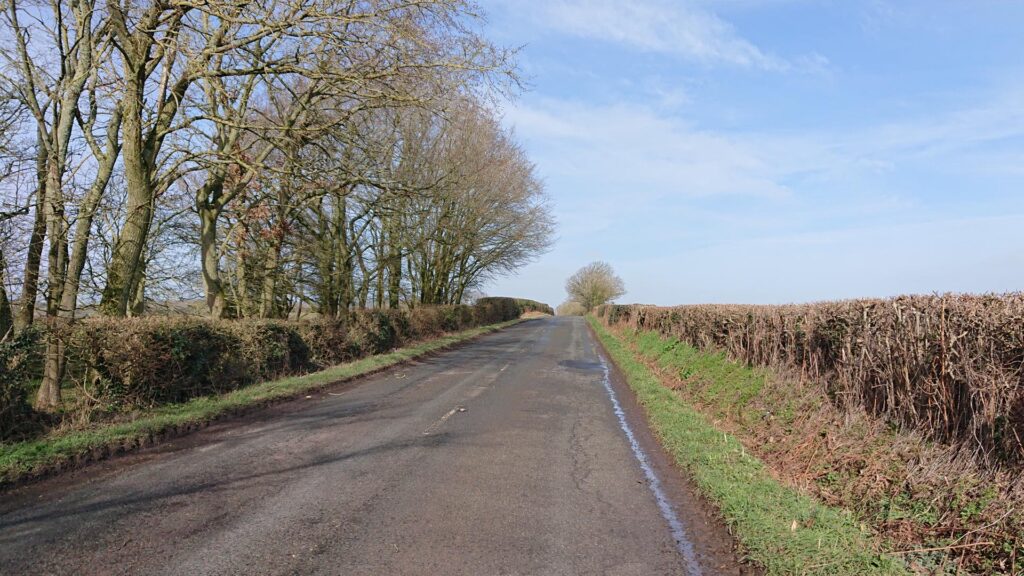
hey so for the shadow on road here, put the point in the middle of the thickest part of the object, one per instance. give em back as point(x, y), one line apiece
point(140, 502)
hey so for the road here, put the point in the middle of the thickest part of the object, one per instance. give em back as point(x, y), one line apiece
point(502, 456)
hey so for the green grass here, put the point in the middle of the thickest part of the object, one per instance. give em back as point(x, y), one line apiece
point(778, 528)
point(20, 459)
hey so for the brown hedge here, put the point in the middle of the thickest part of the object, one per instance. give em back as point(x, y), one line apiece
point(490, 308)
point(534, 306)
point(951, 366)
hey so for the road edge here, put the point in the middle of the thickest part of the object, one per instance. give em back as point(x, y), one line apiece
point(780, 556)
point(139, 435)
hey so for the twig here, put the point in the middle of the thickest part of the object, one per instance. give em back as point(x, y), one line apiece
point(936, 549)
point(8, 215)
point(987, 526)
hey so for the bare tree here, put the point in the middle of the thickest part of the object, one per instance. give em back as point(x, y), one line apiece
point(593, 285)
point(486, 214)
point(331, 154)
point(356, 56)
point(52, 91)
point(11, 112)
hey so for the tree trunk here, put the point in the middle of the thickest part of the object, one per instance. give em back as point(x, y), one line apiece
point(83, 228)
point(210, 257)
point(131, 242)
point(326, 260)
point(48, 396)
point(55, 362)
point(57, 256)
point(128, 250)
point(54, 366)
point(343, 267)
point(270, 273)
point(243, 305)
point(137, 305)
point(378, 297)
point(30, 287)
point(6, 315)
point(394, 276)
point(364, 286)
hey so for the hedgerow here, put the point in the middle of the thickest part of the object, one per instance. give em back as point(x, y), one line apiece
point(948, 366)
point(120, 364)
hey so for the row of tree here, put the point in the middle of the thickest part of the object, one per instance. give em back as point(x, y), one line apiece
point(275, 154)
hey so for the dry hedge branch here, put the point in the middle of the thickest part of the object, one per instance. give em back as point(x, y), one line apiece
point(950, 366)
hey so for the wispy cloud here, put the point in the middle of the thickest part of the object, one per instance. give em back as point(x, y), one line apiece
point(996, 118)
point(608, 164)
point(632, 149)
point(679, 28)
point(664, 164)
point(690, 144)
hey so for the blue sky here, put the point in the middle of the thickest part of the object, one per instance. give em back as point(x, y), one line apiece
point(769, 151)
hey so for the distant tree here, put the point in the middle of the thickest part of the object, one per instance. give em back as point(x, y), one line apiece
point(593, 285)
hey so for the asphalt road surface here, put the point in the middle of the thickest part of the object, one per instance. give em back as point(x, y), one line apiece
point(503, 456)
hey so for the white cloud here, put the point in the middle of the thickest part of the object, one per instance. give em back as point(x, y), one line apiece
point(876, 15)
point(606, 165)
point(692, 207)
point(682, 29)
point(691, 215)
point(630, 148)
point(999, 117)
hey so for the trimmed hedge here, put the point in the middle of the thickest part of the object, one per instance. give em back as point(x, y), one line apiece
point(489, 309)
point(138, 363)
point(534, 306)
point(950, 366)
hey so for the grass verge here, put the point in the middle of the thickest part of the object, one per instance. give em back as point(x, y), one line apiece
point(779, 528)
point(21, 461)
